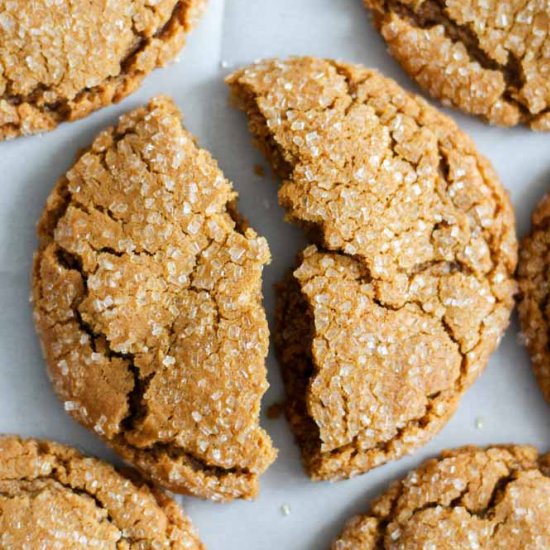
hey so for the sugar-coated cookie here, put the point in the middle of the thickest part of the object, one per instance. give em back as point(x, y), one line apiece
point(534, 286)
point(497, 497)
point(148, 301)
point(490, 58)
point(53, 497)
point(396, 308)
point(62, 60)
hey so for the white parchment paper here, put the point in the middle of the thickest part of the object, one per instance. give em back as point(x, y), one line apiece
point(505, 404)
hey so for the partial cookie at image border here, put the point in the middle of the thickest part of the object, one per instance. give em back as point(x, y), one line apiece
point(488, 59)
point(534, 286)
point(497, 497)
point(60, 61)
point(52, 496)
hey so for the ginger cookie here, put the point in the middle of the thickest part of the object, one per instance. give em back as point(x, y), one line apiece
point(53, 497)
point(396, 308)
point(148, 301)
point(61, 60)
point(534, 280)
point(468, 498)
point(490, 58)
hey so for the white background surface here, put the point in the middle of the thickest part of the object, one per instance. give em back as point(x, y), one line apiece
point(233, 33)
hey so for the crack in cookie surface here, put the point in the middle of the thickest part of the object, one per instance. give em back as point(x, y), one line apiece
point(484, 498)
point(147, 299)
point(534, 299)
point(62, 61)
point(490, 59)
point(52, 496)
point(394, 312)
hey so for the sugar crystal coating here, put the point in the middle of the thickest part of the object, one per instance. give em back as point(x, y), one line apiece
point(490, 58)
point(53, 497)
point(62, 60)
point(395, 310)
point(147, 296)
point(467, 498)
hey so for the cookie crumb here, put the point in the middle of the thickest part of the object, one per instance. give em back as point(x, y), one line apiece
point(259, 170)
point(275, 411)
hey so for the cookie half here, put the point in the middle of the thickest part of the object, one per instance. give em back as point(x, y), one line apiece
point(53, 497)
point(490, 59)
point(62, 60)
point(395, 310)
point(148, 301)
point(534, 281)
point(497, 497)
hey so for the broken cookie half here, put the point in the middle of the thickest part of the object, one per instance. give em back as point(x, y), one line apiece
point(396, 308)
point(62, 60)
point(497, 497)
point(148, 301)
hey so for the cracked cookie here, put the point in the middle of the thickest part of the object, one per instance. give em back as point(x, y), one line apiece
point(468, 498)
point(534, 278)
point(396, 308)
point(53, 497)
point(148, 301)
point(61, 60)
point(490, 58)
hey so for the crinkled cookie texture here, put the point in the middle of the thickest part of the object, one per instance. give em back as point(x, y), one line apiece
point(534, 299)
point(394, 311)
point(53, 497)
point(468, 498)
point(62, 60)
point(490, 58)
point(147, 297)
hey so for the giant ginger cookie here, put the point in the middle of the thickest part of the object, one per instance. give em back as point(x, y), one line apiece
point(534, 286)
point(62, 60)
point(395, 310)
point(489, 58)
point(468, 498)
point(147, 297)
point(53, 497)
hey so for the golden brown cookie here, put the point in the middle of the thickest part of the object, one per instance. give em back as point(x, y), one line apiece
point(534, 286)
point(488, 58)
point(148, 300)
point(62, 60)
point(396, 309)
point(53, 497)
point(468, 498)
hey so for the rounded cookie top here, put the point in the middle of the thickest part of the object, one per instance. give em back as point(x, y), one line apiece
point(62, 60)
point(490, 59)
point(468, 498)
point(147, 297)
point(396, 309)
point(534, 281)
point(53, 497)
